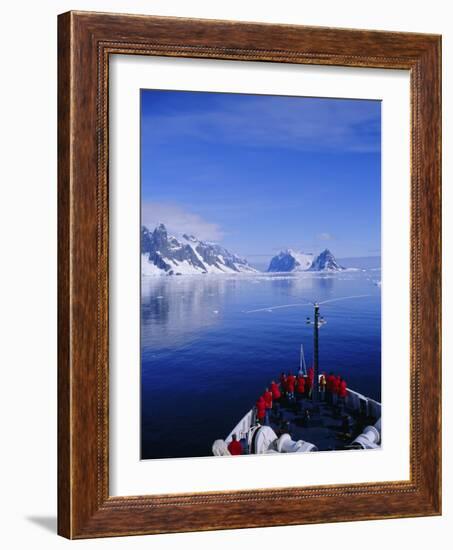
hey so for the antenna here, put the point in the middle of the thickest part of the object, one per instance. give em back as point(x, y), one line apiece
point(303, 365)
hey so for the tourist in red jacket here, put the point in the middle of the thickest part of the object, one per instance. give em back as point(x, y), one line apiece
point(330, 379)
point(300, 386)
point(283, 383)
point(235, 447)
point(275, 391)
point(261, 410)
point(342, 393)
point(290, 385)
point(267, 396)
point(336, 384)
point(276, 395)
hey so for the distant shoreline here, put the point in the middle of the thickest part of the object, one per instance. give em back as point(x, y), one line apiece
point(260, 274)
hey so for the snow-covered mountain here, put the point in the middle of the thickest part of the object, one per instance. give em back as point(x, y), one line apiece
point(163, 254)
point(289, 260)
point(326, 262)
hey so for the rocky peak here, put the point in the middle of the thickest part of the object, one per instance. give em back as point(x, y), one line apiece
point(164, 253)
point(326, 262)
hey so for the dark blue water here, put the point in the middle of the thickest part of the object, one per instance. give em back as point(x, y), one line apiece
point(205, 360)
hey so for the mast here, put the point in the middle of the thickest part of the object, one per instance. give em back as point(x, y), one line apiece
point(317, 323)
point(316, 355)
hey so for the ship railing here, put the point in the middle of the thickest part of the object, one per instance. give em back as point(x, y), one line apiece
point(243, 426)
point(357, 402)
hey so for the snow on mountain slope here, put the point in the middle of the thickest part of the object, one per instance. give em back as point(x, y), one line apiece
point(163, 254)
point(291, 261)
point(326, 262)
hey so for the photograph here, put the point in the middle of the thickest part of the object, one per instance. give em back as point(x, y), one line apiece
point(260, 274)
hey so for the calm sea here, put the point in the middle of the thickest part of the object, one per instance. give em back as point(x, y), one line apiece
point(205, 359)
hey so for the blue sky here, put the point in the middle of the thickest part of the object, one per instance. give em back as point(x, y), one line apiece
point(262, 173)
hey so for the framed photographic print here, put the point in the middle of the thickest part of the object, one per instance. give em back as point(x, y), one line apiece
point(249, 275)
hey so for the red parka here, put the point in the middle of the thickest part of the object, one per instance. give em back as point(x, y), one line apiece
point(268, 399)
point(342, 391)
point(336, 385)
point(235, 448)
point(300, 384)
point(260, 408)
point(283, 382)
point(275, 391)
point(330, 382)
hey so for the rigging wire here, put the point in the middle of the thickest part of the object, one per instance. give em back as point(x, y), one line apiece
point(308, 303)
point(343, 298)
point(279, 307)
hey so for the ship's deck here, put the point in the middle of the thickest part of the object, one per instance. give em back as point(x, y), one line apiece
point(327, 426)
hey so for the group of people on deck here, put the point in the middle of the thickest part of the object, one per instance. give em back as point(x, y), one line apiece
point(332, 389)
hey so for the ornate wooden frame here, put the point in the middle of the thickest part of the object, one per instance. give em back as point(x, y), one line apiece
point(85, 41)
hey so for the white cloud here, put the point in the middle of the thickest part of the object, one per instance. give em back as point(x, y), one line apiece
point(324, 236)
point(317, 124)
point(178, 221)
